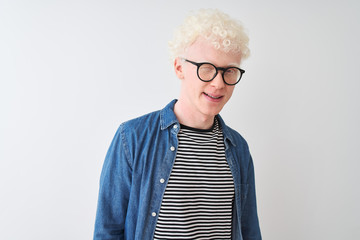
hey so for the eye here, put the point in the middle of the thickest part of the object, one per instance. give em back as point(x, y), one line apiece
point(231, 71)
point(207, 68)
point(206, 72)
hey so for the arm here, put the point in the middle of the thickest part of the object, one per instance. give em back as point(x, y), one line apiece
point(115, 182)
point(249, 221)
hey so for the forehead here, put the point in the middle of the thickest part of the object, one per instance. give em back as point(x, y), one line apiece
point(204, 51)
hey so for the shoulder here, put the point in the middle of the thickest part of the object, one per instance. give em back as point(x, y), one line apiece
point(139, 124)
point(160, 119)
point(144, 119)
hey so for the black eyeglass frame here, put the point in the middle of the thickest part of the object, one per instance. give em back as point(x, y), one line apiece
point(216, 73)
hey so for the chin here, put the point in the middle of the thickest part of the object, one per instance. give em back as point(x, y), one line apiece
point(212, 112)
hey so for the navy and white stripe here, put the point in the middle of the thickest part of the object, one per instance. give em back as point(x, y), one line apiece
point(197, 202)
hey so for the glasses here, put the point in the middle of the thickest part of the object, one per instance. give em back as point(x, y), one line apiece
point(208, 71)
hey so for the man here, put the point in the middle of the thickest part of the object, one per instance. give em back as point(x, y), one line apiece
point(181, 173)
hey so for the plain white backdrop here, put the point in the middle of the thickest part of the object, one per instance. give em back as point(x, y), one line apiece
point(72, 71)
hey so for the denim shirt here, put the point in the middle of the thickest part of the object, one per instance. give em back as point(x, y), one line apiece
point(136, 171)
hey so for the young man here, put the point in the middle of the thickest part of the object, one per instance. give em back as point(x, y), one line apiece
point(181, 173)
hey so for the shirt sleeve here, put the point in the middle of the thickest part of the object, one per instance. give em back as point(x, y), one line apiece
point(250, 228)
point(115, 183)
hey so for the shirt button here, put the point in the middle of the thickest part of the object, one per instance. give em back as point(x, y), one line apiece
point(175, 126)
point(172, 148)
point(162, 180)
point(153, 214)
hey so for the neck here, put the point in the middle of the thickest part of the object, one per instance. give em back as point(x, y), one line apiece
point(187, 117)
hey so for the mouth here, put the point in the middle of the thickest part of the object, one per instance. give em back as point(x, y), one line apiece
point(213, 97)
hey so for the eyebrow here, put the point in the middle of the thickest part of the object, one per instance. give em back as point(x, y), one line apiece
point(227, 66)
point(234, 65)
point(206, 61)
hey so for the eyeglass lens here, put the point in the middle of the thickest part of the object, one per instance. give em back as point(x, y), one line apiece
point(207, 72)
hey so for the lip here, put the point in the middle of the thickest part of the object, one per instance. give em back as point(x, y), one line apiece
point(213, 97)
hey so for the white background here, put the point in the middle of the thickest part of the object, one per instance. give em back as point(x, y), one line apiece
point(72, 71)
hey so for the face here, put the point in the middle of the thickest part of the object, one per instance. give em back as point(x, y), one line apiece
point(204, 99)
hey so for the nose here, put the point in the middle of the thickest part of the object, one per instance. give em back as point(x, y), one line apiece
point(218, 82)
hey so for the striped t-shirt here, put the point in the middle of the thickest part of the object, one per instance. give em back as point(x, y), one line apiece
point(197, 203)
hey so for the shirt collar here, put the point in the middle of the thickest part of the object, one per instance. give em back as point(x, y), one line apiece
point(228, 136)
point(167, 115)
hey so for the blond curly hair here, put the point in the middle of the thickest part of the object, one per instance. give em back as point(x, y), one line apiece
point(224, 32)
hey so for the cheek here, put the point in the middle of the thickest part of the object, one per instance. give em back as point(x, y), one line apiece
point(230, 91)
point(194, 84)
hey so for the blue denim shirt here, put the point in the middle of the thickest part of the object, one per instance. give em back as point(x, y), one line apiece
point(136, 170)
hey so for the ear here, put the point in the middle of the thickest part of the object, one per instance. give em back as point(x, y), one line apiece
point(179, 68)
